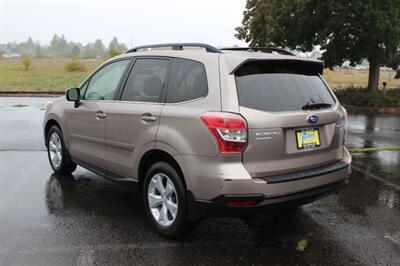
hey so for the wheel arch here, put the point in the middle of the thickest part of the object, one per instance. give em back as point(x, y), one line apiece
point(157, 155)
point(49, 123)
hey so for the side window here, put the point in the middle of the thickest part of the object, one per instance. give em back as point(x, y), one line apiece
point(104, 83)
point(146, 81)
point(188, 81)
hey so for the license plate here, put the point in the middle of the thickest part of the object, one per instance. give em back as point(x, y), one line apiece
point(307, 138)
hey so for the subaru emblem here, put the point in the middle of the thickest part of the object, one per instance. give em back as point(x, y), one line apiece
point(312, 119)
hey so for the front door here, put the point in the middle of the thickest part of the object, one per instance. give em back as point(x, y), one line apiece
point(87, 123)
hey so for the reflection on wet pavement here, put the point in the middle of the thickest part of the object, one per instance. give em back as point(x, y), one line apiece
point(364, 217)
point(373, 130)
point(87, 212)
point(21, 127)
point(385, 164)
point(84, 219)
point(376, 130)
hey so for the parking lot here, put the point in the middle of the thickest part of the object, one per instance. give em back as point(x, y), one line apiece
point(47, 219)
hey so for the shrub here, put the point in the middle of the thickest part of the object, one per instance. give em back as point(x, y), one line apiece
point(75, 66)
point(113, 52)
point(26, 61)
point(361, 97)
point(394, 93)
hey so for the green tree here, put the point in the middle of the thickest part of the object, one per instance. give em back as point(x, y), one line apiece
point(58, 46)
point(26, 61)
point(345, 30)
point(27, 47)
point(88, 52)
point(99, 48)
point(113, 52)
point(38, 51)
point(114, 44)
point(76, 51)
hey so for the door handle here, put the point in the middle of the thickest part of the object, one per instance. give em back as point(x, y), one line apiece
point(148, 117)
point(100, 115)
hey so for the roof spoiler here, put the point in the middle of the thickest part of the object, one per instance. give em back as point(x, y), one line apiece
point(316, 64)
point(259, 49)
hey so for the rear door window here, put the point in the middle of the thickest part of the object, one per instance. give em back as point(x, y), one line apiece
point(278, 86)
point(188, 81)
point(146, 80)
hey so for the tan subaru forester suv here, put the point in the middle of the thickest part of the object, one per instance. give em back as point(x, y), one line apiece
point(204, 132)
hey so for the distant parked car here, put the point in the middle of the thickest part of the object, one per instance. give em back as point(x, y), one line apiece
point(204, 132)
point(11, 55)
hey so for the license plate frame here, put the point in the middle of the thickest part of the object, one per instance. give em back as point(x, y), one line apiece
point(307, 138)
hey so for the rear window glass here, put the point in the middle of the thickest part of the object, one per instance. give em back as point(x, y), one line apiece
point(278, 86)
point(188, 81)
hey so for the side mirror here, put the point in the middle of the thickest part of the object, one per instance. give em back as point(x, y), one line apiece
point(73, 95)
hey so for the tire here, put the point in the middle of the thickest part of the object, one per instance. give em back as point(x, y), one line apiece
point(167, 225)
point(59, 158)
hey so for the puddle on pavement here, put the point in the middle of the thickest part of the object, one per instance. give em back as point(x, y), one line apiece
point(368, 130)
point(385, 164)
point(364, 193)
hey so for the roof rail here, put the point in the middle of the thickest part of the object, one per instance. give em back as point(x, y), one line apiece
point(176, 46)
point(261, 49)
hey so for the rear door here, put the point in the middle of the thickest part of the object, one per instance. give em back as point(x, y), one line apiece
point(133, 120)
point(291, 114)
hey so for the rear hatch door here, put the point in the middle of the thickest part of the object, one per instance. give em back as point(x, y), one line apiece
point(292, 117)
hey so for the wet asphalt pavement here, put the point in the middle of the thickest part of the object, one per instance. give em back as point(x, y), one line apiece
point(85, 220)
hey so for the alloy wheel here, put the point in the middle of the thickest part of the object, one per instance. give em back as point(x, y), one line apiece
point(55, 149)
point(162, 199)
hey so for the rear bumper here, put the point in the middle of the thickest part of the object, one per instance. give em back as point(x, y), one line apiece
point(217, 207)
point(210, 177)
point(213, 181)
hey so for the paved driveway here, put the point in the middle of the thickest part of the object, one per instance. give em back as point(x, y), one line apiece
point(52, 220)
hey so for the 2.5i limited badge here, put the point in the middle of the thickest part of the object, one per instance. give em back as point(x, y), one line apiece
point(267, 135)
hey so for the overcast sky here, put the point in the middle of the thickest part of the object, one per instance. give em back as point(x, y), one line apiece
point(132, 22)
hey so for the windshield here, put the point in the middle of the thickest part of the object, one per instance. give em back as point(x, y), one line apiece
point(277, 86)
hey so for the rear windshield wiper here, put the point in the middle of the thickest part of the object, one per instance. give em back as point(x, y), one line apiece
point(311, 106)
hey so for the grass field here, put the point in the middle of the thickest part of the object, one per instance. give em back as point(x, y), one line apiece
point(49, 75)
point(342, 77)
point(43, 75)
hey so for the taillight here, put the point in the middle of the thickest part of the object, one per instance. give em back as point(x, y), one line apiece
point(342, 125)
point(229, 131)
point(345, 124)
